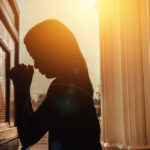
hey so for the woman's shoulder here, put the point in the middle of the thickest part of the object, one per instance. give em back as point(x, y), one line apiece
point(58, 88)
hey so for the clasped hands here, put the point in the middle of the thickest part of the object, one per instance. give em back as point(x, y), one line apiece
point(22, 75)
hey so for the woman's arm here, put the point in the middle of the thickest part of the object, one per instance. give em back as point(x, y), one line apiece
point(22, 115)
point(31, 125)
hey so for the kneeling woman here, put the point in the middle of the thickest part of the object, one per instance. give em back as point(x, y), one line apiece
point(68, 111)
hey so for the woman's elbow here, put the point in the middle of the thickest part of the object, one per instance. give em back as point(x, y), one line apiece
point(27, 142)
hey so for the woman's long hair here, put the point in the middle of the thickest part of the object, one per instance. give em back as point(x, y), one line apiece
point(55, 43)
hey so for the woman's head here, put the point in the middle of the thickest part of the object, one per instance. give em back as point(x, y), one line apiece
point(53, 47)
point(55, 50)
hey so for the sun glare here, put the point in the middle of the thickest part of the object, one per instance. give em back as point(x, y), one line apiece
point(93, 2)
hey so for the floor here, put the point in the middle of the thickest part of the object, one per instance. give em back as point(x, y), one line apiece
point(41, 145)
point(16, 145)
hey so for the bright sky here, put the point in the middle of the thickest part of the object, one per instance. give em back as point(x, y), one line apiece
point(82, 19)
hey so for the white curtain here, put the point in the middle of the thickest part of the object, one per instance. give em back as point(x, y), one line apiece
point(125, 72)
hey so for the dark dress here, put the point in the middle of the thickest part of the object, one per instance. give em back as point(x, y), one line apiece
point(69, 115)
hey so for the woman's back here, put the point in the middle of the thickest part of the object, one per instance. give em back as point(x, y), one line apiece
point(75, 124)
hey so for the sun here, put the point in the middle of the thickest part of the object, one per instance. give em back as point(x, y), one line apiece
point(93, 2)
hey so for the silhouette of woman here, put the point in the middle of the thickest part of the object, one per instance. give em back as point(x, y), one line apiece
point(68, 111)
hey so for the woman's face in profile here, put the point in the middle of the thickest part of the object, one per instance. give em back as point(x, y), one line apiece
point(45, 68)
